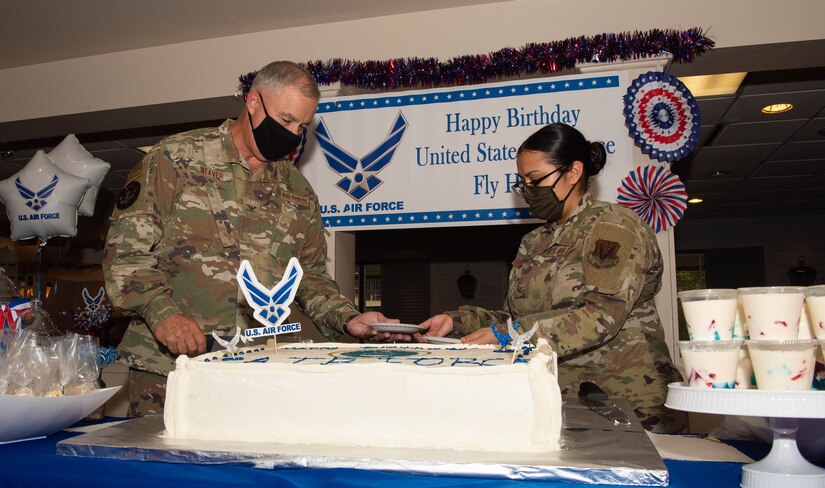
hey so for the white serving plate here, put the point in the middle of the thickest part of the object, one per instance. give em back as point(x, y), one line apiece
point(393, 328)
point(23, 418)
point(441, 340)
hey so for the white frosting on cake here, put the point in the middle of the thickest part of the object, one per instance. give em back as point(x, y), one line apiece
point(379, 395)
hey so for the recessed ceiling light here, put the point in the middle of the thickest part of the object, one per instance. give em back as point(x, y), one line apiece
point(695, 200)
point(719, 172)
point(713, 85)
point(144, 149)
point(777, 108)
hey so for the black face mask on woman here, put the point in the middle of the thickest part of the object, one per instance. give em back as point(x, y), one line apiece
point(543, 201)
point(274, 141)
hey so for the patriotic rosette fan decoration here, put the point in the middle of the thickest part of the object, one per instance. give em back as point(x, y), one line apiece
point(655, 194)
point(662, 116)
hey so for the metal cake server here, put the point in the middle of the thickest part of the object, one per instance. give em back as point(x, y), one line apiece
point(596, 399)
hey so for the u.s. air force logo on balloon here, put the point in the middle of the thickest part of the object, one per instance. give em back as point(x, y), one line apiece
point(36, 200)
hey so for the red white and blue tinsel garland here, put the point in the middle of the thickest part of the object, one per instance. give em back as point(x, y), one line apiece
point(655, 194)
point(662, 116)
point(533, 58)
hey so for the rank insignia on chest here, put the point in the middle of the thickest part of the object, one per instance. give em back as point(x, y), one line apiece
point(558, 250)
point(604, 254)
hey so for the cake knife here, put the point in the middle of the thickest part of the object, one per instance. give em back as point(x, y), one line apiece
point(596, 399)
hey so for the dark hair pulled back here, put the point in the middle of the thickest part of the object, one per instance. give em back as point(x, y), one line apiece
point(563, 144)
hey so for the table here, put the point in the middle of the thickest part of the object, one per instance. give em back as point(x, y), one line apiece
point(35, 463)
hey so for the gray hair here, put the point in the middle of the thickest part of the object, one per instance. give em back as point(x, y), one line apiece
point(279, 74)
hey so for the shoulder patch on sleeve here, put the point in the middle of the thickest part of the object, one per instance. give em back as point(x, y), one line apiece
point(136, 172)
point(128, 195)
point(606, 256)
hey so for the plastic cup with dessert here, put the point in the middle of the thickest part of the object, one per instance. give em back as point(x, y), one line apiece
point(710, 313)
point(711, 364)
point(783, 364)
point(773, 312)
point(815, 303)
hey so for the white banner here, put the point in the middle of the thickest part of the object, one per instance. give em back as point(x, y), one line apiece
point(448, 156)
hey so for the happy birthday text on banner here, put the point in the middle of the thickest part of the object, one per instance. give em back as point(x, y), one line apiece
point(446, 157)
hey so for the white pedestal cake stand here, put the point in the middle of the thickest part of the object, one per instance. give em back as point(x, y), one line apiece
point(784, 466)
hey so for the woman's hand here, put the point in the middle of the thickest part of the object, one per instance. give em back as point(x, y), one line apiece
point(481, 336)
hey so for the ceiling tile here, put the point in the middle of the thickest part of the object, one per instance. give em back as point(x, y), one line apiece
point(772, 183)
point(8, 169)
point(101, 146)
point(23, 154)
point(114, 181)
point(692, 172)
point(818, 182)
point(758, 132)
point(802, 206)
point(809, 131)
point(719, 156)
point(766, 82)
point(808, 193)
point(740, 209)
point(141, 141)
point(705, 133)
point(790, 168)
point(697, 210)
point(123, 158)
point(754, 197)
point(800, 150)
point(712, 109)
point(719, 185)
point(749, 108)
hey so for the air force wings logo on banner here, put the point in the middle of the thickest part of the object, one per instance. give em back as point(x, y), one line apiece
point(36, 201)
point(271, 305)
point(358, 175)
point(93, 303)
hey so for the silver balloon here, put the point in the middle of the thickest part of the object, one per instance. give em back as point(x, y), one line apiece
point(41, 200)
point(73, 158)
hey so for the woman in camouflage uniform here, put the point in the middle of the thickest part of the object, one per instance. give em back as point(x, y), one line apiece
point(587, 277)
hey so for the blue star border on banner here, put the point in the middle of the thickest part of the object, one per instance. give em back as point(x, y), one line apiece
point(452, 96)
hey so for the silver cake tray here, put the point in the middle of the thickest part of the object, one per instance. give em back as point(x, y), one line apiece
point(593, 451)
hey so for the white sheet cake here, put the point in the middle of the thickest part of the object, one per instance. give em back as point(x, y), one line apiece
point(378, 395)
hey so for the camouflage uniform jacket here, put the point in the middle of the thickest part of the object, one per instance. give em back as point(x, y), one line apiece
point(190, 212)
point(589, 284)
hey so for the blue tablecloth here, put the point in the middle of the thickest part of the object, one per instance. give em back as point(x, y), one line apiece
point(34, 463)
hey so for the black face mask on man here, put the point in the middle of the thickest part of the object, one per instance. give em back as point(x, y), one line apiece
point(543, 201)
point(274, 141)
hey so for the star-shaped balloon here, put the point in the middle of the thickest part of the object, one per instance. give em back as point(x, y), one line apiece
point(73, 158)
point(41, 200)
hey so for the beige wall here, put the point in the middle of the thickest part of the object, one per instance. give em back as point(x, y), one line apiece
point(209, 68)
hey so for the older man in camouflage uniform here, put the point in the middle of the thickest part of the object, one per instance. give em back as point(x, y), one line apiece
point(198, 204)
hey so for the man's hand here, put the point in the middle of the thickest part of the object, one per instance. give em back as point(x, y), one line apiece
point(359, 327)
point(437, 326)
point(181, 335)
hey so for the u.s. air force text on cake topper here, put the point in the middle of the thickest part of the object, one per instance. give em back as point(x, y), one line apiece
point(271, 305)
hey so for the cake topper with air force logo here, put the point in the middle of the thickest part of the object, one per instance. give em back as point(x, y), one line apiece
point(271, 305)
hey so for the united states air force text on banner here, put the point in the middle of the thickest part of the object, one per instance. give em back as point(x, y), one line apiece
point(447, 156)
